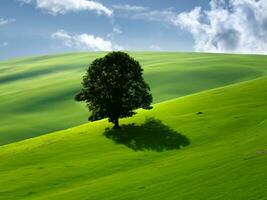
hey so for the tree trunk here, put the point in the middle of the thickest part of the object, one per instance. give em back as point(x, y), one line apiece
point(116, 124)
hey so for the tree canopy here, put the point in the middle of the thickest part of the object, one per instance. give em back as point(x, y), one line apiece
point(113, 87)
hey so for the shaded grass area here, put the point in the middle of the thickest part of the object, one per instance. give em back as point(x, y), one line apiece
point(36, 94)
point(226, 159)
point(151, 135)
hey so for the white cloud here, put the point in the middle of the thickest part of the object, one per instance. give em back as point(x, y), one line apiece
point(64, 37)
point(156, 15)
point(127, 7)
point(117, 30)
point(5, 44)
point(6, 21)
point(235, 26)
point(155, 48)
point(55, 7)
point(85, 41)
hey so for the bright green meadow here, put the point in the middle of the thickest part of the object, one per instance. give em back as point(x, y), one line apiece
point(170, 152)
point(36, 94)
point(204, 139)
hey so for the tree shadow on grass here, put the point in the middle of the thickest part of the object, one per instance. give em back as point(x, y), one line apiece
point(152, 135)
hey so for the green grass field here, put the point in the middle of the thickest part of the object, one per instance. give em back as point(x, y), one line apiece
point(36, 94)
point(170, 152)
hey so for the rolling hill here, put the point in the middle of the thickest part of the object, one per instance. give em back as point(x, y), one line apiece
point(208, 145)
point(36, 93)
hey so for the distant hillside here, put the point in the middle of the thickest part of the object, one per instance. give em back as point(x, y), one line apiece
point(36, 94)
point(210, 145)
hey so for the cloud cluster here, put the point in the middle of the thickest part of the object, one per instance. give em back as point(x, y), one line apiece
point(6, 21)
point(55, 7)
point(85, 41)
point(127, 7)
point(235, 26)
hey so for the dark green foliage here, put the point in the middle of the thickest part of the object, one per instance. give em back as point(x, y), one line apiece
point(113, 87)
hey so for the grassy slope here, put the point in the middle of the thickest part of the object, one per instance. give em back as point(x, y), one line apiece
point(36, 94)
point(226, 158)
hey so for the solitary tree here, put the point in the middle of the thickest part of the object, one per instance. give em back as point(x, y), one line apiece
point(113, 87)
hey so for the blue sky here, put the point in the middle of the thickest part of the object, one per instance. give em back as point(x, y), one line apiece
point(35, 27)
